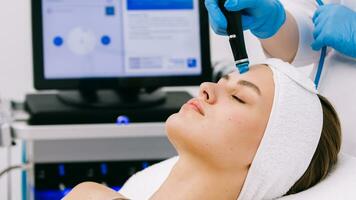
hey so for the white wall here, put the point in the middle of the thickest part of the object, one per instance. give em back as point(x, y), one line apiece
point(16, 58)
point(15, 48)
point(15, 65)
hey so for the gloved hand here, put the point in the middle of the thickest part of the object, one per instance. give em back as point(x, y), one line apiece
point(335, 26)
point(262, 17)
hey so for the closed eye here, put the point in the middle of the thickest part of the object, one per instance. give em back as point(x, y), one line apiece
point(238, 99)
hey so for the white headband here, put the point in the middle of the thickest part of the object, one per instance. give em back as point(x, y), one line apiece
point(291, 136)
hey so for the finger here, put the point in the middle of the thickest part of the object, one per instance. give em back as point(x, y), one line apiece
point(237, 5)
point(247, 21)
point(318, 43)
point(322, 18)
point(217, 19)
point(319, 27)
point(322, 10)
point(218, 29)
point(317, 12)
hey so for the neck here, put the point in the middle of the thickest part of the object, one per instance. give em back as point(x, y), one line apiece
point(190, 180)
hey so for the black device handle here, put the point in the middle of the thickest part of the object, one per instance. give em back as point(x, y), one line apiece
point(234, 28)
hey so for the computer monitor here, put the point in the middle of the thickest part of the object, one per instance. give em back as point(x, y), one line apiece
point(119, 44)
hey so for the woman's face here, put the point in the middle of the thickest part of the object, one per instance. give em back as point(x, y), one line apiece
point(224, 125)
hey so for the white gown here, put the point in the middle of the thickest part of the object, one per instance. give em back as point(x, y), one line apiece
point(338, 81)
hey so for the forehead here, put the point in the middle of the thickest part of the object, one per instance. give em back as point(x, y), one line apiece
point(258, 74)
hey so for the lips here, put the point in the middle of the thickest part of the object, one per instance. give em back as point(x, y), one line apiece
point(196, 105)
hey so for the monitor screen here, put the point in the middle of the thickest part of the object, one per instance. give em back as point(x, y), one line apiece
point(115, 44)
point(120, 38)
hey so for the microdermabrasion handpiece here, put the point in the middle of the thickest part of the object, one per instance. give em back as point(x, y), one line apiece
point(236, 38)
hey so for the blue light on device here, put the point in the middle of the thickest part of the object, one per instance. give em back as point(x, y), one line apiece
point(145, 165)
point(243, 67)
point(104, 169)
point(122, 120)
point(61, 170)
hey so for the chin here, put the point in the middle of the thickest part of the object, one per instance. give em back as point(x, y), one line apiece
point(172, 125)
point(178, 130)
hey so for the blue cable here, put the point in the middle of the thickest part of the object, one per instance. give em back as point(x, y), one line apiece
point(320, 67)
point(320, 2)
point(322, 57)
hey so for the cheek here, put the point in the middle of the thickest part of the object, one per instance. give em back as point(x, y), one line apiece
point(240, 136)
point(235, 122)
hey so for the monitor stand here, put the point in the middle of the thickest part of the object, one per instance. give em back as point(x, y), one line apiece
point(133, 98)
point(102, 107)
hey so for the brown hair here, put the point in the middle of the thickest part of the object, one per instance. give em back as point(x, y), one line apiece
point(325, 156)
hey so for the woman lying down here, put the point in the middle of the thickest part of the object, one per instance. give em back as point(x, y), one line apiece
point(260, 135)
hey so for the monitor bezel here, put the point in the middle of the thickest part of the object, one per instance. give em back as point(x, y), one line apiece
point(41, 83)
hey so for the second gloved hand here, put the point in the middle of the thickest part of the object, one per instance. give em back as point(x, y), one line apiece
point(335, 26)
point(263, 17)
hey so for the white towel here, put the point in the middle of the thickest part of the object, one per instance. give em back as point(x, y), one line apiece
point(291, 136)
point(339, 184)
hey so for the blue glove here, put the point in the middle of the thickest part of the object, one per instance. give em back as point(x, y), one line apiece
point(263, 17)
point(335, 26)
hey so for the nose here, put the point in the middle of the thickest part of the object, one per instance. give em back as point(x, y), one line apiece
point(207, 92)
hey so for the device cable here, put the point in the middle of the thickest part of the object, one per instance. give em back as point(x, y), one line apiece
point(322, 58)
point(24, 166)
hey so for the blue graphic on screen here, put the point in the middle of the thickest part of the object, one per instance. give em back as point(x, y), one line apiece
point(110, 10)
point(112, 39)
point(159, 4)
point(192, 62)
point(58, 41)
point(105, 40)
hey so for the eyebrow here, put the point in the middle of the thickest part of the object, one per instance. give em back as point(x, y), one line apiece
point(245, 83)
point(225, 76)
point(250, 85)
